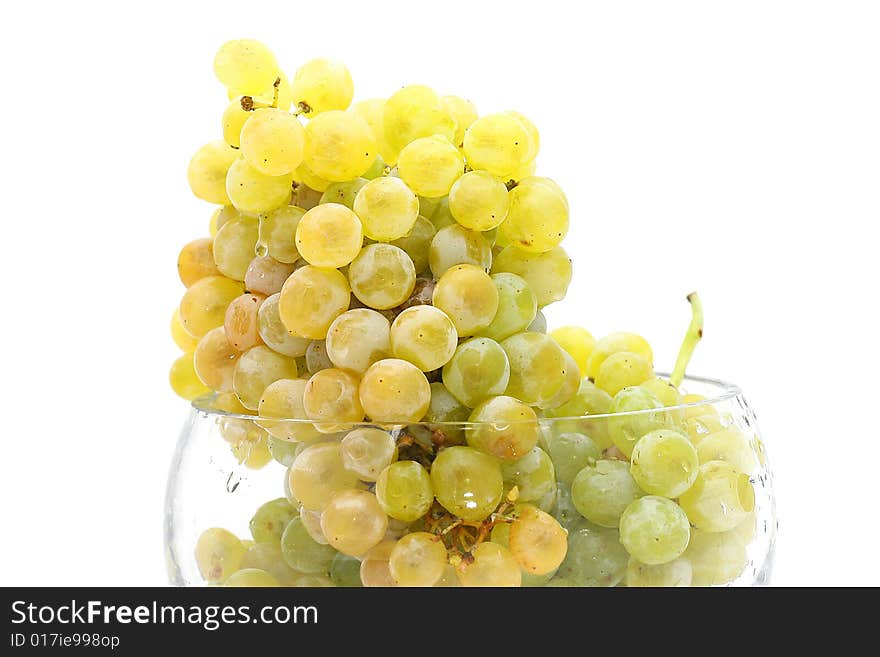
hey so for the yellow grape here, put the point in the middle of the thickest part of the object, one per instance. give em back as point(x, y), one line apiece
point(311, 299)
point(256, 369)
point(491, 565)
point(234, 246)
point(214, 360)
point(357, 339)
point(252, 192)
point(616, 342)
point(245, 66)
point(413, 112)
point(716, 558)
point(283, 399)
point(207, 171)
point(517, 307)
point(382, 276)
point(219, 217)
point(425, 336)
point(479, 369)
point(394, 390)
point(664, 463)
point(467, 482)
point(479, 201)
point(418, 559)
point(329, 235)
point(456, 245)
point(321, 85)
point(196, 261)
point(623, 369)
point(275, 334)
point(266, 276)
point(184, 380)
point(341, 146)
point(241, 323)
point(720, 498)
point(277, 231)
point(498, 143)
point(503, 427)
point(251, 578)
point(331, 395)
point(548, 274)
point(371, 111)
point(694, 409)
point(538, 367)
point(533, 133)
point(218, 554)
point(430, 165)
point(233, 120)
point(317, 473)
point(182, 339)
point(375, 568)
point(463, 112)
point(700, 426)
point(204, 304)
point(577, 341)
point(307, 178)
point(368, 451)
point(387, 208)
point(404, 490)
point(537, 541)
point(353, 522)
point(273, 141)
point(467, 294)
point(537, 220)
point(728, 445)
point(663, 390)
point(654, 530)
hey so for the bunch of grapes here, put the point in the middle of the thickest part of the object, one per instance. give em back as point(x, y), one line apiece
point(367, 312)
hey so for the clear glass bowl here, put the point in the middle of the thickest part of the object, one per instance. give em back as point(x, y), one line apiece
point(226, 466)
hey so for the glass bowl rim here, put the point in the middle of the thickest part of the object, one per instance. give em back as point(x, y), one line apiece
point(726, 392)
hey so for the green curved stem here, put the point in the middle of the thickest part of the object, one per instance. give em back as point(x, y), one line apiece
point(691, 338)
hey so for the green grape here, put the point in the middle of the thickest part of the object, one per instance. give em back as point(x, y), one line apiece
point(312, 522)
point(346, 571)
point(663, 390)
point(720, 498)
point(377, 168)
point(357, 339)
point(537, 367)
point(672, 573)
point(571, 453)
point(275, 334)
point(479, 201)
point(329, 235)
point(490, 565)
point(417, 244)
point(570, 384)
point(252, 192)
point(716, 558)
point(548, 274)
point(441, 217)
point(623, 369)
point(375, 569)
point(311, 299)
point(267, 557)
point(539, 324)
point(283, 399)
point(283, 451)
point(444, 406)
point(344, 192)
point(245, 66)
point(196, 261)
point(430, 165)
point(387, 208)
point(208, 169)
point(701, 426)
point(353, 522)
point(233, 120)
point(728, 445)
point(182, 339)
point(214, 360)
point(266, 276)
point(277, 229)
point(595, 557)
point(463, 112)
point(317, 473)
point(537, 220)
point(251, 578)
point(477, 370)
point(218, 554)
point(184, 380)
point(321, 85)
point(404, 490)
point(564, 509)
point(637, 417)
point(302, 553)
point(456, 245)
point(413, 112)
point(467, 294)
point(394, 390)
point(602, 492)
point(234, 246)
point(578, 342)
point(382, 276)
point(331, 396)
point(273, 141)
point(533, 475)
point(428, 206)
point(467, 482)
point(418, 559)
point(517, 306)
point(664, 463)
point(498, 143)
point(241, 323)
point(255, 370)
point(537, 541)
point(316, 357)
point(204, 304)
point(220, 217)
point(425, 336)
point(270, 520)
point(503, 427)
point(368, 451)
point(654, 530)
point(341, 145)
point(614, 343)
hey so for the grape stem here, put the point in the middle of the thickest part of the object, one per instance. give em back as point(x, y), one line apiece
point(691, 338)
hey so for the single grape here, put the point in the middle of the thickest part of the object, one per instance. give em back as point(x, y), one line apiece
point(283, 451)
point(701, 426)
point(430, 165)
point(208, 169)
point(203, 306)
point(404, 490)
point(463, 112)
point(418, 559)
point(728, 445)
point(266, 276)
point(275, 334)
point(311, 299)
point(548, 274)
point(343, 193)
point(387, 208)
point(371, 110)
point(341, 145)
point(467, 482)
point(539, 324)
point(517, 307)
point(654, 530)
point(331, 396)
point(241, 322)
point(490, 565)
point(214, 360)
point(589, 400)
point(218, 554)
point(394, 390)
point(368, 451)
point(425, 336)
point(357, 339)
point(534, 477)
point(233, 120)
point(664, 463)
point(537, 541)
point(720, 498)
point(182, 339)
point(479, 201)
point(273, 141)
point(382, 276)
point(316, 357)
point(571, 453)
point(253, 452)
point(308, 180)
point(623, 369)
point(268, 523)
point(503, 427)
point(302, 553)
point(455, 245)
point(693, 407)
point(537, 220)
point(498, 143)
point(672, 573)
point(277, 229)
point(467, 294)
point(478, 369)
point(614, 343)
point(346, 571)
point(184, 380)
point(353, 522)
point(417, 244)
point(413, 112)
point(317, 473)
point(595, 557)
point(255, 370)
point(245, 66)
point(251, 578)
point(578, 342)
point(570, 384)
point(312, 522)
point(716, 558)
point(196, 261)
point(234, 246)
point(537, 367)
point(253, 192)
point(602, 492)
point(375, 569)
point(219, 217)
point(321, 85)
point(663, 390)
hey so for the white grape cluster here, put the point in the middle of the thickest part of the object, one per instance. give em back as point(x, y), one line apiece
point(367, 312)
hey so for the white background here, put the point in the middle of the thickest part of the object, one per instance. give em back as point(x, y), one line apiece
point(731, 147)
